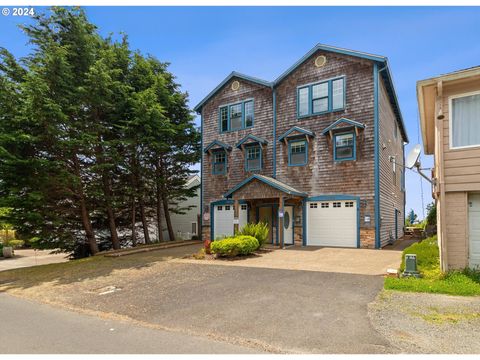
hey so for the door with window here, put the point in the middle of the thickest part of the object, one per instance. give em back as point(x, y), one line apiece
point(288, 225)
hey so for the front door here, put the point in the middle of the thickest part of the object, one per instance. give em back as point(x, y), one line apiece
point(265, 216)
point(288, 225)
point(474, 229)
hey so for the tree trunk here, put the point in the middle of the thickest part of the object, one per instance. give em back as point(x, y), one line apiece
point(171, 234)
point(133, 214)
point(144, 222)
point(159, 213)
point(107, 193)
point(87, 224)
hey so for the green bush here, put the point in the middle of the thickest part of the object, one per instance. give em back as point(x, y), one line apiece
point(259, 231)
point(14, 243)
point(234, 246)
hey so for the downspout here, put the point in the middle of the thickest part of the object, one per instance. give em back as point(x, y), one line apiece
point(274, 100)
point(376, 122)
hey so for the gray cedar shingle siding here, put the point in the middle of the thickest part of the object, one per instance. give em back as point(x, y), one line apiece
point(322, 175)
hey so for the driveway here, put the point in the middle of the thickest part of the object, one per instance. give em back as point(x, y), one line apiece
point(324, 259)
point(265, 309)
point(31, 257)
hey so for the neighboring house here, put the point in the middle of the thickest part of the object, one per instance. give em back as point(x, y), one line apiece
point(309, 153)
point(185, 225)
point(450, 120)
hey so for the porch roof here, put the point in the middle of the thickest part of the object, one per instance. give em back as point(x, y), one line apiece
point(281, 186)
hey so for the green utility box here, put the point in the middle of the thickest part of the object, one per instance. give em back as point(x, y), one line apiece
point(411, 266)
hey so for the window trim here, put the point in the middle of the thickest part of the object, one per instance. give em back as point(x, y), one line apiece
point(290, 152)
point(450, 120)
point(330, 96)
point(246, 160)
point(354, 154)
point(228, 106)
point(225, 163)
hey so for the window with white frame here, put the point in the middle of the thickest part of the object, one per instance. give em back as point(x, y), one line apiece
point(253, 157)
point(243, 207)
point(465, 120)
point(313, 205)
point(325, 205)
point(349, 204)
point(337, 204)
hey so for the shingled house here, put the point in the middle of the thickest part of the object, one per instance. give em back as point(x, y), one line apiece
point(316, 154)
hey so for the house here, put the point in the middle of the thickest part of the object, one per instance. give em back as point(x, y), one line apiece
point(450, 120)
point(317, 153)
point(185, 225)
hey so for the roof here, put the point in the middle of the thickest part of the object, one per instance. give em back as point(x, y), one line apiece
point(269, 181)
point(385, 74)
point(217, 143)
point(253, 138)
point(350, 123)
point(297, 129)
point(426, 94)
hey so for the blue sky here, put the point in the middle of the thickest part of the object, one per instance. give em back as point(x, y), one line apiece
point(205, 44)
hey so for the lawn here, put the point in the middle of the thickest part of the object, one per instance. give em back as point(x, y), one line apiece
point(465, 282)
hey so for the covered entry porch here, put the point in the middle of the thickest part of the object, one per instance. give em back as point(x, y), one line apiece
point(272, 202)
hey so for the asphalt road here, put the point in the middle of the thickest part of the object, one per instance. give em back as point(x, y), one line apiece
point(32, 328)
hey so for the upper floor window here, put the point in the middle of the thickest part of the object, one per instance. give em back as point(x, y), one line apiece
point(253, 157)
point(465, 120)
point(297, 153)
point(320, 98)
point(236, 116)
point(344, 147)
point(219, 165)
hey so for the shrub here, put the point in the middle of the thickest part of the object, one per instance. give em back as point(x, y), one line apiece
point(234, 246)
point(14, 243)
point(258, 231)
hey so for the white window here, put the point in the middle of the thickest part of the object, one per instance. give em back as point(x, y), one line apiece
point(220, 208)
point(303, 101)
point(313, 205)
point(349, 204)
point(244, 207)
point(325, 205)
point(465, 120)
point(337, 204)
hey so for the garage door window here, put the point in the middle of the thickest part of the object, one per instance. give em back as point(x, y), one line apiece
point(344, 147)
point(337, 204)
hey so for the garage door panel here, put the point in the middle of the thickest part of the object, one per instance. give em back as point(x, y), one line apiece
point(223, 219)
point(332, 226)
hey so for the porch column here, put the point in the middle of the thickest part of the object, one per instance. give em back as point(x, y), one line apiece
point(280, 220)
point(236, 217)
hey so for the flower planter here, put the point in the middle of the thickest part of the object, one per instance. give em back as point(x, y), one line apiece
point(7, 251)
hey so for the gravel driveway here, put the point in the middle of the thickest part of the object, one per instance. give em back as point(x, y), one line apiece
point(428, 323)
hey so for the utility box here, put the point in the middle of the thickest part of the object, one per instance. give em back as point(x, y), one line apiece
point(411, 266)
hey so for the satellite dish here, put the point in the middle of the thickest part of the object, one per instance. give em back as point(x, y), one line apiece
point(413, 156)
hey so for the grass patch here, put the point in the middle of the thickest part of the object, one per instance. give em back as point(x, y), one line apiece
point(464, 283)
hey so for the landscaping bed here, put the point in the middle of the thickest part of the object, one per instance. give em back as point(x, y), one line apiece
point(457, 282)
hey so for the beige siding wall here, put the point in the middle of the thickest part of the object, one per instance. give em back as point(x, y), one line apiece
point(461, 175)
point(462, 166)
point(391, 195)
point(456, 229)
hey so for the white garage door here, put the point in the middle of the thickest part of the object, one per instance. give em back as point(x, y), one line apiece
point(223, 219)
point(332, 223)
